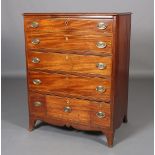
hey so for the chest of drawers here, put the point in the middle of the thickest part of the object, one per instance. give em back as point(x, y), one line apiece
point(77, 69)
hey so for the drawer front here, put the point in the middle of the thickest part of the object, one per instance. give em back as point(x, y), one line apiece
point(70, 63)
point(69, 43)
point(71, 110)
point(69, 25)
point(100, 115)
point(91, 88)
point(55, 108)
point(37, 104)
point(79, 111)
point(62, 108)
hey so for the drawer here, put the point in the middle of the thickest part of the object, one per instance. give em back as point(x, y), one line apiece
point(87, 64)
point(91, 88)
point(69, 25)
point(55, 108)
point(37, 104)
point(79, 111)
point(100, 115)
point(72, 110)
point(69, 43)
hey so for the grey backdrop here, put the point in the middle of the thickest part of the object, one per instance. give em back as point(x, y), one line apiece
point(13, 59)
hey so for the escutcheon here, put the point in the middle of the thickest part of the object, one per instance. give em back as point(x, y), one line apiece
point(36, 81)
point(101, 26)
point(37, 104)
point(100, 89)
point(35, 41)
point(67, 109)
point(101, 65)
point(35, 60)
point(34, 24)
point(101, 44)
point(100, 114)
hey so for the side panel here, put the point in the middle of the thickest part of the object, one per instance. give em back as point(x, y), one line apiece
point(122, 69)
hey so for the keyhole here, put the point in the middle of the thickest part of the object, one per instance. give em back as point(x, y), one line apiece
point(67, 101)
point(66, 57)
point(66, 38)
point(66, 22)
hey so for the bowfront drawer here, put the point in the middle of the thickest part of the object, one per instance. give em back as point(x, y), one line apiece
point(70, 63)
point(70, 25)
point(69, 43)
point(89, 88)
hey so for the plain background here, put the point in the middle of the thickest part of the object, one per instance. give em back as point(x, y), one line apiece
point(13, 59)
point(134, 138)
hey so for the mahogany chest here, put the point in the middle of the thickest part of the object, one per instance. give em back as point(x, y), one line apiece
point(77, 69)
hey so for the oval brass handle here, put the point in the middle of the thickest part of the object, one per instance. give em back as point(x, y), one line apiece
point(67, 109)
point(101, 26)
point(36, 81)
point(37, 104)
point(34, 24)
point(100, 89)
point(35, 60)
point(101, 44)
point(101, 65)
point(100, 114)
point(35, 41)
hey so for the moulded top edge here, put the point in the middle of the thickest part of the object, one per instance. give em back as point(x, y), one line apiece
point(77, 14)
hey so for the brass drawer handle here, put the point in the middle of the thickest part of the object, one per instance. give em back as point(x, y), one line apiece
point(101, 44)
point(101, 66)
point(100, 114)
point(101, 26)
point(35, 60)
point(100, 89)
point(37, 104)
point(34, 24)
point(67, 109)
point(36, 81)
point(35, 41)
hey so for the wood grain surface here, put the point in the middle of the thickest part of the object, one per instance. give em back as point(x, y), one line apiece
point(69, 42)
point(70, 84)
point(34, 110)
point(70, 63)
point(68, 25)
point(82, 111)
point(121, 66)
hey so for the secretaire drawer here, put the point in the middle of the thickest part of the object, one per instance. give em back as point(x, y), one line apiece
point(87, 64)
point(69, 25)
point(90, 88)
point(91, 43)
